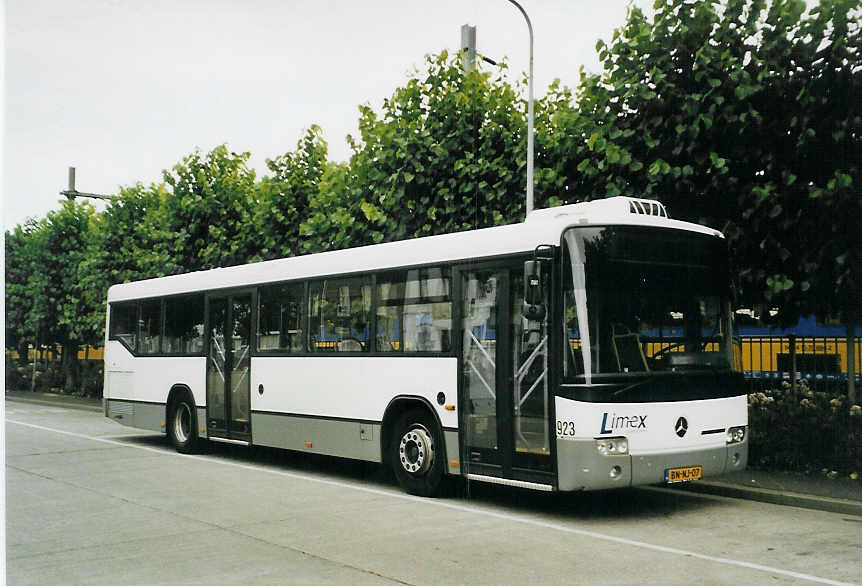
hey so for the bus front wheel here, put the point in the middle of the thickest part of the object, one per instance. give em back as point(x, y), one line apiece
point(416, 453)
point(183, 425)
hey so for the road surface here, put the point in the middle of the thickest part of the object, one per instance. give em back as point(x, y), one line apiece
point(91, 501)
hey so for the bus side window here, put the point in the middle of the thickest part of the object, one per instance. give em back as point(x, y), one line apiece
point(414, 311)
point(124, 324)
point(184, 325)
point(151, 326)
point(280, 318)
point(339, 315)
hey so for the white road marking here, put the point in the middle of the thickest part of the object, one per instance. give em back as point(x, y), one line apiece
point(462, 508)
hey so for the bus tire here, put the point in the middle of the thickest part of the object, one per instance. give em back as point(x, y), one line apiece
point(416, 453)
point(183, 425)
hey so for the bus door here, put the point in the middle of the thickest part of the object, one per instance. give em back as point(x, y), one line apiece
point(504, 378)
point(228, 366)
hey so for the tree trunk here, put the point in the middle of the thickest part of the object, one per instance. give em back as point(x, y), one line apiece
point(70, 366)
point(23, 353)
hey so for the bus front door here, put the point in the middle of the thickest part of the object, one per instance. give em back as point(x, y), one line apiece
point(228, 366)
point(504, 378)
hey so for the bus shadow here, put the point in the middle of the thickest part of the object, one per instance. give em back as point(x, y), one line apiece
point(332, 467)
point(622, 503)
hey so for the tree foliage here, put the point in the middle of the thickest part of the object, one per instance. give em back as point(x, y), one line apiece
point(131, 241)
point(446, 153)
point(25, 284)
point(213, 196)
point(743, 115)
point(284, 199)
point(66, 239)
point(439, 158)
point(740, 114)
point(45, 294)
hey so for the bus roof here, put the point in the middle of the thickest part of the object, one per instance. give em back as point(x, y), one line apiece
point(542, 227)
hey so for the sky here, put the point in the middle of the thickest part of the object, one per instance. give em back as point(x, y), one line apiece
point(122, 89)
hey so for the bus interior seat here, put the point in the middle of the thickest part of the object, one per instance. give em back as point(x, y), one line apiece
point(629, 351)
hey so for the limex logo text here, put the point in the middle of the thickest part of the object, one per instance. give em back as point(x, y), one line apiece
point(614, 422)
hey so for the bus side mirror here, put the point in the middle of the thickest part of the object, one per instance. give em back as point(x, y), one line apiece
point(534, 307)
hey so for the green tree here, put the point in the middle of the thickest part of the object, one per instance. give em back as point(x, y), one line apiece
point(284, 198)
point(210, 205)
point(51, 299)
point(742, 115)
point(444, 155)
point(25, 285)
point(130, 241)
point(331, 218)
point(68, 240)
point(563, 127)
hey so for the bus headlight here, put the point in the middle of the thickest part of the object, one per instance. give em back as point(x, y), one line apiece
point(735, 434)
point(613, 446)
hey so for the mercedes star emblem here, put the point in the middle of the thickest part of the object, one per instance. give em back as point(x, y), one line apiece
point(681, 426)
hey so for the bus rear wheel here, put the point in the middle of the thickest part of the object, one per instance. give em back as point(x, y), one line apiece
point(183, 425)
point(416, 453)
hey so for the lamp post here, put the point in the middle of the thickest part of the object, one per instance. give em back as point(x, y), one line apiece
point(529, 115)
point(72, 193)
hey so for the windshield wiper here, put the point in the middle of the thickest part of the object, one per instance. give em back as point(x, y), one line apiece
point(631, 386)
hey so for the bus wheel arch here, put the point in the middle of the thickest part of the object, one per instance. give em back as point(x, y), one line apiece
point(413, 445)
point(181, 421)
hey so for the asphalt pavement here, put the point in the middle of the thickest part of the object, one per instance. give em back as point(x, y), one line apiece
point(810, 491)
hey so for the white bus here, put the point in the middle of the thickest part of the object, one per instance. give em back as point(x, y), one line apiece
point(589, 347)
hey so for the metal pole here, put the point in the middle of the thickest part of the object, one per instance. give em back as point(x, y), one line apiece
point(529, 115)
point(468, 46)
point(35, 353)
point(72, 193)
point(792, 339)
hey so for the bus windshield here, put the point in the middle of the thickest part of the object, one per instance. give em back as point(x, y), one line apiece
point(641, 300)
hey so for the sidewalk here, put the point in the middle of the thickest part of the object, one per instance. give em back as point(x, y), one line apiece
point(810, 491)
point(67, 401)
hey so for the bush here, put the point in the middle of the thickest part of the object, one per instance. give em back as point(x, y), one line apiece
point(17, 376)
point(51, 379)
point(92, 378)
point(804, 430)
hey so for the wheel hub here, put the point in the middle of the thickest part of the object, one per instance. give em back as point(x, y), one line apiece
point(416, 450)
point(183, 422)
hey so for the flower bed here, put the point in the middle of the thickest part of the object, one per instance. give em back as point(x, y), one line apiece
point(804, 431)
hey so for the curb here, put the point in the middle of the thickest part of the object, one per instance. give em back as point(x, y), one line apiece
point(60, 402)
point(776, 497)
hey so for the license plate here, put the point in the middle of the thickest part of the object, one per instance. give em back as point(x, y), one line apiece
point(674, 475)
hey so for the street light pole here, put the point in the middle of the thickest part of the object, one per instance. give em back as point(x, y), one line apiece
point(72, 193)
point(529, 115)
point(468, 46)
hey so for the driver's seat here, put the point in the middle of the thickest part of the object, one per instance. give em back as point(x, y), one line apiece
point(629, 351)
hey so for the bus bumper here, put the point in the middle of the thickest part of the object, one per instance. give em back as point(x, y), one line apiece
point(581, 467)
